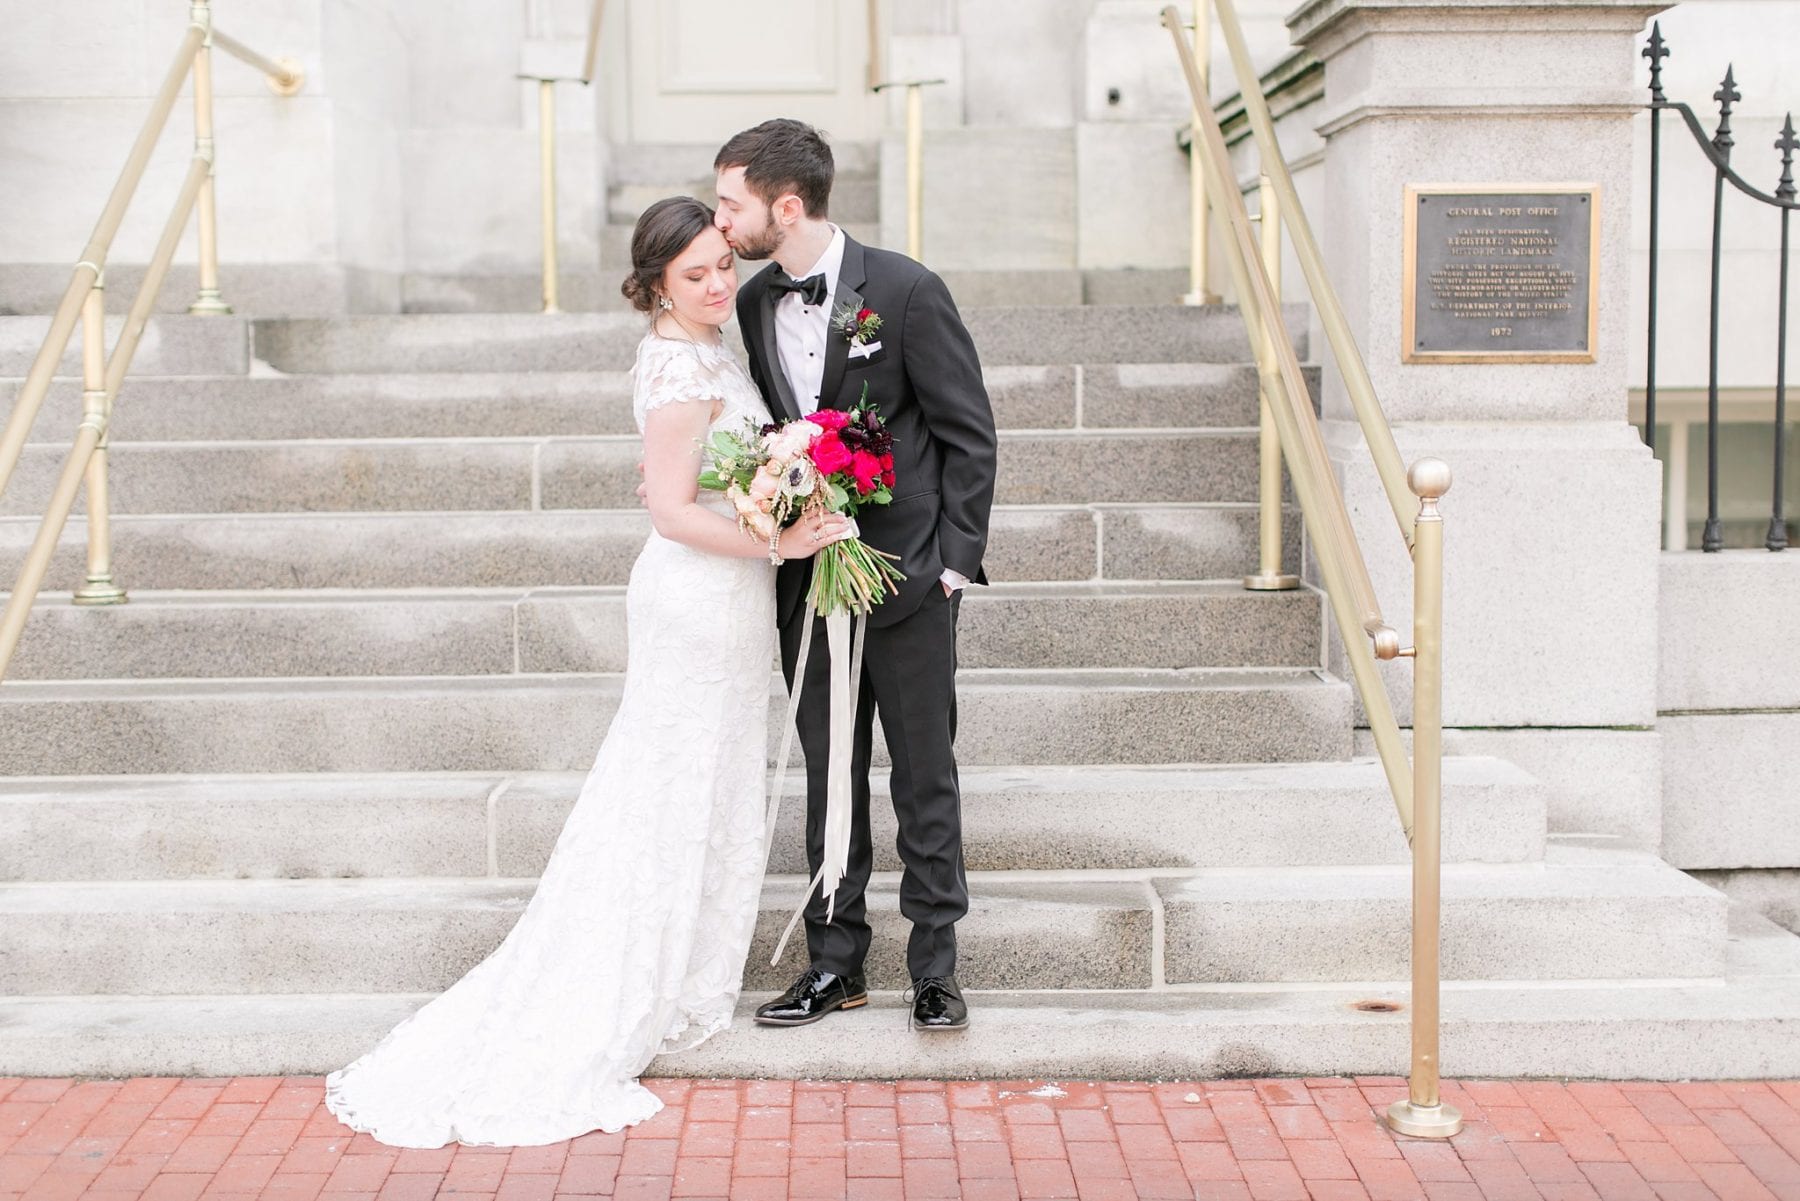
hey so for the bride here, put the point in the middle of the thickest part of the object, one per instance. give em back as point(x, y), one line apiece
point(634, 943)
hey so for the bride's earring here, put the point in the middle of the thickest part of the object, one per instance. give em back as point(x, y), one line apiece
point(665, 304)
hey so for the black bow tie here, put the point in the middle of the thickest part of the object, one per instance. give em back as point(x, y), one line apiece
point(811, 289)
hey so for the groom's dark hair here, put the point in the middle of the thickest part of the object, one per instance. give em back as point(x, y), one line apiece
point(783, 156)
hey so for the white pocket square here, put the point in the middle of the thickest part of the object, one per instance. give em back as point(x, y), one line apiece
point(864, 350)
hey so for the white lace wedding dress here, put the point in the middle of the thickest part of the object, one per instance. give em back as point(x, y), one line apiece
point(634, 943)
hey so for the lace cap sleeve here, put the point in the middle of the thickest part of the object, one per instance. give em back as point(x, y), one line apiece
point(670, 372)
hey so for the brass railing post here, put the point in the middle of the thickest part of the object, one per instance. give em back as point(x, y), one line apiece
point(915, 161)
point(1423, 1114)
point(1199, 213)
point(915, 171)
point(547, 174)
point(590, 60)
point(96, 407)
point(1269, 577)
point(873, 67)
point(208, 302)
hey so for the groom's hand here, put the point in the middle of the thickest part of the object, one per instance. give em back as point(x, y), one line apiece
point(643, 489)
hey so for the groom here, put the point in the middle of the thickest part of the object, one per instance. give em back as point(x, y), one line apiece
point(800, 323)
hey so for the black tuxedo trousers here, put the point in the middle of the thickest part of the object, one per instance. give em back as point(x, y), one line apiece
point(926, 381)
point(909, 678)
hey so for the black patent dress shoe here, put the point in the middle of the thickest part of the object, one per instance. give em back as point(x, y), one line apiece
point(813, 995)
point(937, 1004)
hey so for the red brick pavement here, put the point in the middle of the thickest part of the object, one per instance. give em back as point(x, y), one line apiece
point(1232, 1140)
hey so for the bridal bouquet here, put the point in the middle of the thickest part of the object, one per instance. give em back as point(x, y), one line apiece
point(833, 460)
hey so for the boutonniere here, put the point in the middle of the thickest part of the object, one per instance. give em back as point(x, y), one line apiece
point(857, 325)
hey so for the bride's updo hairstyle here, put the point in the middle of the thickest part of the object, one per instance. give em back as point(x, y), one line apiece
point(664, 230)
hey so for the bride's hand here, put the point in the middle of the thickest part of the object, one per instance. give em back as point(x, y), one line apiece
point(812, 533)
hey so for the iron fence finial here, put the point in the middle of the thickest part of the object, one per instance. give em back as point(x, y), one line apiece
point(1787, 143)
point(1727, 95)
point(1656, 51)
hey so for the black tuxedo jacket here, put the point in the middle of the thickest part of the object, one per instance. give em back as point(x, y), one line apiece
point(926, 380)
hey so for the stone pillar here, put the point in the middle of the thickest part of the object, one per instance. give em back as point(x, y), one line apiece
point(1552, 524)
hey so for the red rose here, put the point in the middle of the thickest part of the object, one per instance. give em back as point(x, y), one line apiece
point(829, 454)
point(887, 477)
point(866, 469)
point(830, 420)
point(863, 315)
point(887, 462)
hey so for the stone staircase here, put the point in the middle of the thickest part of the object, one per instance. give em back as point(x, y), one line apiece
point(307, 776)
point(636, 175)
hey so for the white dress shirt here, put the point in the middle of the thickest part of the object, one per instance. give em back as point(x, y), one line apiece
point(801, 331)
point(801, 328)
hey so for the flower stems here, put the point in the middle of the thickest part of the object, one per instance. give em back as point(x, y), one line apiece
point(853, 576)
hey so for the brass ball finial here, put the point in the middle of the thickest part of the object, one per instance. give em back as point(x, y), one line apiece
point(1429, 478)
point(1387, 643)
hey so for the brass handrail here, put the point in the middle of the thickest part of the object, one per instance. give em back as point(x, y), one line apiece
point(283, 74)
point(1344, 350)
point(1366, 633)
point(89, 265)
point(84, 300)
point(1416, 786)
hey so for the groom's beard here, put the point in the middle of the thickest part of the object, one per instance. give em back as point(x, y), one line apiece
point(756, 249)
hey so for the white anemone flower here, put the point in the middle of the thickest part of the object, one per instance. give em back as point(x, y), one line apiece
point(800, 478)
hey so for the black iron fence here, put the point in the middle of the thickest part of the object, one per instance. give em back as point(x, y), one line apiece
point(1717, 148)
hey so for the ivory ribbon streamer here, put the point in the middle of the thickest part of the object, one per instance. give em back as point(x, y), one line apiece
point(846, 673)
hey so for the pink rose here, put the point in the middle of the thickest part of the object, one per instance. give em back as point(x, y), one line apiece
point(764, 486)
point(791, 439)
point(829, 454)
point(830, 420)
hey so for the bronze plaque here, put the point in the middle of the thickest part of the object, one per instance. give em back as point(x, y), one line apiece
point(1500, 273)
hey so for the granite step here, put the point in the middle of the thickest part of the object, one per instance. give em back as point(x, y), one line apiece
point(1015, 818)
point(659, 162)
point(477, 404)
point(357, 936)
point(855, 199)
point(498, 474)
point(535, 631)
point(1739, 1026)
point(596, 290)
point(171, 345)
point(555, 722)
point(615, 238)
point(1630, 919)
point(522, 549)
point(496, 342)
point(1575, 915)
